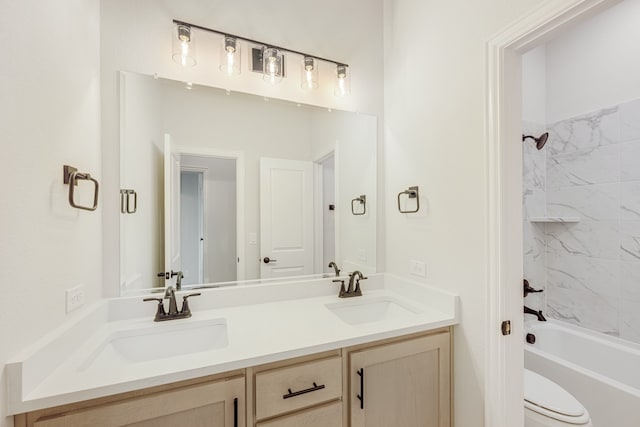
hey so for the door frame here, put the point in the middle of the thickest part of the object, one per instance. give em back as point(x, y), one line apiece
point(238, 156)
point(504, 359)
point(318, 207)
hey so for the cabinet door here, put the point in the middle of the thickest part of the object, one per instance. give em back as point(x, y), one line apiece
point(216, 404)
point(401, 384)
point(323, 416)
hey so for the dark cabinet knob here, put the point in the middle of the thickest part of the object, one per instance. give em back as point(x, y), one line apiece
point(267, 260)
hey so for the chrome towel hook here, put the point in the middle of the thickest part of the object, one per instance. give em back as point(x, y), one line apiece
point(71, 176)
point(412, 193)
point(363, 201)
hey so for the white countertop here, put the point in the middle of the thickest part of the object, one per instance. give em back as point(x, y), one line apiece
point(265, 323)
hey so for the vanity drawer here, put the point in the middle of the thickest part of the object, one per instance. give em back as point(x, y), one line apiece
point(323, 416)
point(291, 388)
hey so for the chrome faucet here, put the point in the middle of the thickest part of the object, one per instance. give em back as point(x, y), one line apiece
point(335, 268)
point(170, 294)
point(351, 291)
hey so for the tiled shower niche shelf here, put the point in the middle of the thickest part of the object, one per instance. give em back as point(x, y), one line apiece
point(558, 219)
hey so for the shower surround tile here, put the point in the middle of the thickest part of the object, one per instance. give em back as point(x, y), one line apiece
point(630, 240)
point(591, 170)
point(630, 120)
point(630, 280)
point(586, 309)
point(582, 274)
point(583, 167)
point(589, 202)
point(630, 201)
point(630, 321)
point(629, 161)
point(586, 238)
point(584, 132)
point(534, 203)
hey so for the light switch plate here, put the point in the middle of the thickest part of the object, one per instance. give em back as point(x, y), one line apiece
point(253, 238)
point(417, 268)
point(75, 298)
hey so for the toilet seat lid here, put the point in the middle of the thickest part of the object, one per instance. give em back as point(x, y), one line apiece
point(544, 393)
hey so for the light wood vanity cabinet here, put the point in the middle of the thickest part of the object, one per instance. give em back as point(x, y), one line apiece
point(403, 381)
point(217, 403)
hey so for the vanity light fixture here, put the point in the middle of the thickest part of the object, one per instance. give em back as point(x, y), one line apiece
point(184, 45)
point(272, 58)
point(309, 76)
point(343, 81)
point(230, 56)
point(273, 61)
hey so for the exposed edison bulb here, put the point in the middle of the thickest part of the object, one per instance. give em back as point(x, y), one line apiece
point(343, 86)
point(184, 47)
point(273, 62)
point(230, 57)
point(309, 73)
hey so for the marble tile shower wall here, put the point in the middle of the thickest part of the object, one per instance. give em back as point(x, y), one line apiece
point(592, 267)
point(534, 205)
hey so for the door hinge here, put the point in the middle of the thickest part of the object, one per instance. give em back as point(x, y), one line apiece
point(506, 327)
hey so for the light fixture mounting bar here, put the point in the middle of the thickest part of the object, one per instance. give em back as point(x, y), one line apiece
point(285, 49)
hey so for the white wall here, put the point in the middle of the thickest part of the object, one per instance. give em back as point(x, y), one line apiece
point(142, 160)
point(534, 85)
point(135, 36)
point(594, 65)
point(50, 116)
point(434, 137)
point(352, 136)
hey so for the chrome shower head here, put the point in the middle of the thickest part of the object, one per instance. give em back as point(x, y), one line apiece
point(540, 141)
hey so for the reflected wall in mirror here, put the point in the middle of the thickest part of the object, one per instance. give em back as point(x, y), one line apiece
point(233, 187)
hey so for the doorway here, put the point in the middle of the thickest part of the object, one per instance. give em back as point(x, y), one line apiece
point(504, 355)
point(208, 219)
point(325, 212)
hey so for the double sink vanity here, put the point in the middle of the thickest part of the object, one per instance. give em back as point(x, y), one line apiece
point(287, 353)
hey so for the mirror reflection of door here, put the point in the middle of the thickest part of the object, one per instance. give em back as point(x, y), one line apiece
point(208, 219)
point(172, 251)
point(325, 212)
point(286, 218)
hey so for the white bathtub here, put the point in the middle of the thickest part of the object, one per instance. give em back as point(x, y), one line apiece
point(602, 372)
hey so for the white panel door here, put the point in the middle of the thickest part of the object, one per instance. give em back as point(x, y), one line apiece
point(286, 217)
point(172, 256)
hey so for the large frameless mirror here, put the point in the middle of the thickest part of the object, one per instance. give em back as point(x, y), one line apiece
point(223, 187)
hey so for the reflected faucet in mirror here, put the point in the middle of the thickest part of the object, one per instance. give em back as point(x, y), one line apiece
point(335, 268)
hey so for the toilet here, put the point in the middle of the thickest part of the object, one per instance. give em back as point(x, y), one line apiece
point(546, 404)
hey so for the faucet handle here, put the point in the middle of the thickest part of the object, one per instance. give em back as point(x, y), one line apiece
point(160, 311)
point(343, 291)
point(185, 310)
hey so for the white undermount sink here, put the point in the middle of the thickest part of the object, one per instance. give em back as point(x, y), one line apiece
point(160, 341)
point(359, 311)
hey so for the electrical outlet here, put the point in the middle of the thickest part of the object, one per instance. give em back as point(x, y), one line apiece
point(417, 268)
point(253, 238)
point(75, 298)
point(362, 255)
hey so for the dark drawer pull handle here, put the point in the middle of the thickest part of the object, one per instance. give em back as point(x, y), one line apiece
point(235, 412)
point(307, 390)
point(361, 395)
